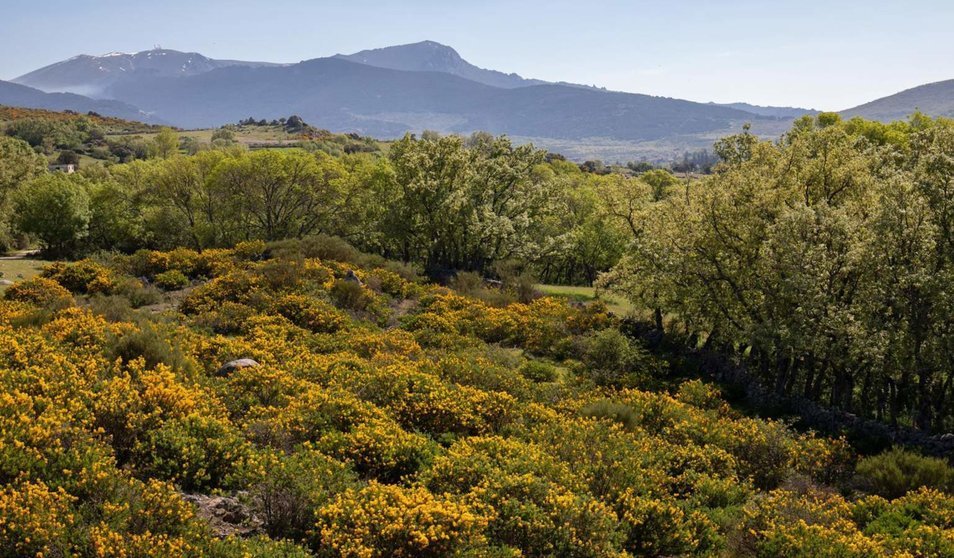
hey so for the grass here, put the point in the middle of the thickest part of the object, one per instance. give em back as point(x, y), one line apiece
point(13, 268)
point(617, 304)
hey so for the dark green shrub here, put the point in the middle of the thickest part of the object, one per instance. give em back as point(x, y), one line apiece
point(137, 293)
point(228, 318)
point(150, 345)
point(351, 295)
point(294, 489)
point(321, 246)
point(894, 473)
point(111, 307)
point(466, 283)
point(612, 359)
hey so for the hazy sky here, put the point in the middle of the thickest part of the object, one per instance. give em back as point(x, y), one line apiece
point(828, 54)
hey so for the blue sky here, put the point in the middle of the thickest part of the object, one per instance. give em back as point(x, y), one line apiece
point(820, 54)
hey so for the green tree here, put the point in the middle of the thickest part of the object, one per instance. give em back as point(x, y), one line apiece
point(165, 144)
point(54, 208)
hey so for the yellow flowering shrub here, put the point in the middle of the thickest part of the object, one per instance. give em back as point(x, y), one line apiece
point(35, 521)
point(84, 276)
point(40, 292)
point(391, 418)
point(381, 521)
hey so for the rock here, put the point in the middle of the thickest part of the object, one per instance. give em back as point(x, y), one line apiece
point(227, 515)
point(352, 277)
point(234, 365)
point(5, 282)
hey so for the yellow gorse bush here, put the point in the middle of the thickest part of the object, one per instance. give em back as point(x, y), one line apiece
point(400, 428)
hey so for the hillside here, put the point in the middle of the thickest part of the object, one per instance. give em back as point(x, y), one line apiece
point(774, 112)
point(409, 88)
point(12, 94)
point(274, 401)
point(932, 99)
point(429, 56)
point(345, 96)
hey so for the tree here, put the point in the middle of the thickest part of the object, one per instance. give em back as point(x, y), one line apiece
point(165, 144)
point(54, 208)
point(282, 194)
point(823, 261)
point(464, 209)
point(18, 164)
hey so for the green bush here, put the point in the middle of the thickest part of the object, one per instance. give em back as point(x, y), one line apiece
point(537, 371)
point(112, 307)
point(612, 410)
point(197, 453)
point(295, 487)
point(171, 280)
point(612, 359)
point(351, 295)
point(894, 473)
point(137, 293)
point(150, 345)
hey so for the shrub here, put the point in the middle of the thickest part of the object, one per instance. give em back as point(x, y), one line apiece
point(40, 291)
point(197, 453)
point(894, 473)
point(538, 371)
point(701, 394)
point(311, 314)
point(84, 276)
point(466, 283)
point(250, 250)
point(295, 487)
point(612, 410)
point(137, 293)
point(612, 359)
point(171, 280)
point(351, 295)
point(319, 246)
point(113, 308)
point(382, 521)
point(227, 318)
point(148, 343)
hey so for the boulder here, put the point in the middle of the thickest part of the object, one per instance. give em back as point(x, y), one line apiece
point(234, 365)
point(352, 277)
point(226, 515)
point(5, 282)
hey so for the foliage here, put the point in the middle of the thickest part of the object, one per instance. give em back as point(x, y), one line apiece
point(171, 280)
point(391, 417)
point(896, 472)
point(55, 208)
point(822, 261)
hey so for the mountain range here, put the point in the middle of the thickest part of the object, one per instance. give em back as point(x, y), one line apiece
point(387, 92)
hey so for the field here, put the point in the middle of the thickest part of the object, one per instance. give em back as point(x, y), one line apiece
point(12, 268)
point(615, 303)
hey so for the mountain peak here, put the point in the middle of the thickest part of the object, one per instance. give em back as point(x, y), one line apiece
point(95, 76)
point(431, 56)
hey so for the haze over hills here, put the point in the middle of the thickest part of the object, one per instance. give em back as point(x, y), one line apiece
point(94, 76)
point(387, 92)
point(933, 99)
point(776, 112)
point(16, 95)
